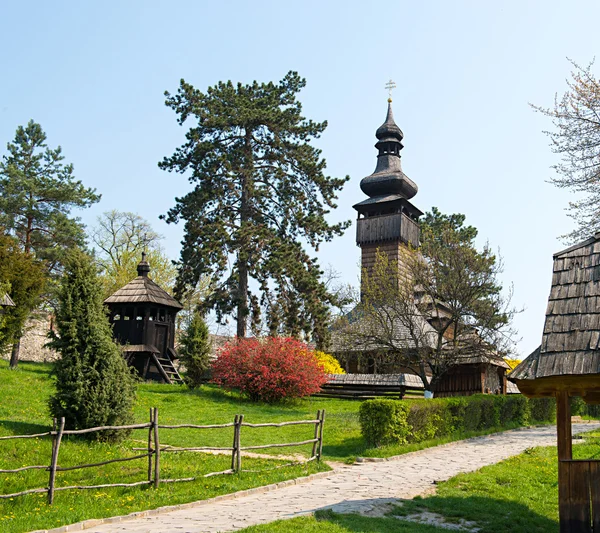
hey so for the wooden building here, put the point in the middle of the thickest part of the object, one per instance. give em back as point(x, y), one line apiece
point(143, 320)
point(567, 364)
point(6, 301)
point(389, 223)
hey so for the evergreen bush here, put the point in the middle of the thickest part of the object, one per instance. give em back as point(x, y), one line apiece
point(94, 385)
point(194, 350)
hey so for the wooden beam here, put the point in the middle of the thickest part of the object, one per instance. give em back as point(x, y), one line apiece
point(563, 426)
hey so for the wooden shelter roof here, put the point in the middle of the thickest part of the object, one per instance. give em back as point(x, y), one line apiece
point(571, 338)
point(143, 290)
point(6, 301)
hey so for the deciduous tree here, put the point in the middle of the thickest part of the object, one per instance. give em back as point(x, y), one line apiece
point(576, 139)
point(449, 310)
point(259, 194)
point(119, 238)
point(24, 279)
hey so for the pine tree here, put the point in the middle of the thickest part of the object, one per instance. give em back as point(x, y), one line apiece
point(37, 193)
point(194, 349)
point(259, 192)
point(94, 385)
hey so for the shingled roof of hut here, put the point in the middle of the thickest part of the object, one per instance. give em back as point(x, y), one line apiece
point(571, 337)
point(6, 301)
point(143, 290)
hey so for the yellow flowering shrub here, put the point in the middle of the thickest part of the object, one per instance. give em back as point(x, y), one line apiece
point(328, 363)
point(512, 363)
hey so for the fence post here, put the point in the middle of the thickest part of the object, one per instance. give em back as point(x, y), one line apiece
point(321, 435)
point(317, 424)
point(234, 445)
point(55, 449)
point(239, 446)
point(156, 450)
point(150, 450)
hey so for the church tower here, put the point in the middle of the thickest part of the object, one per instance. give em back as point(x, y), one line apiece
point(387, 220)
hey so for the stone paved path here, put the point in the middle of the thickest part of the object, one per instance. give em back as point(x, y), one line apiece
point(350, 488)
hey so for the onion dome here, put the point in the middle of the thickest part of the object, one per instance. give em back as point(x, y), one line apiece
point(388, 178)
point(143, 267)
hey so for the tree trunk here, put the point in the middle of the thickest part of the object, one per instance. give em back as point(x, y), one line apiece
point(14, 355)
point(243, 260)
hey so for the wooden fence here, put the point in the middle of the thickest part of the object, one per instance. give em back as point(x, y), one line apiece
point(154, 449)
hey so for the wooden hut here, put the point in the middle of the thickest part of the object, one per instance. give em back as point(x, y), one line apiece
point(143, 319)
point(6, 301)
point(567, 364)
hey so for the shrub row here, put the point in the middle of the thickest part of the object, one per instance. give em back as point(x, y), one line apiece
point(579, 407)
point(385, 421)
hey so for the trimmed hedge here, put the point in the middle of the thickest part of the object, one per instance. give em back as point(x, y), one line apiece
point(385, 421)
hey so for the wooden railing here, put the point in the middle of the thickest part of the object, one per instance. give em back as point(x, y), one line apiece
point(154, 449)
point(579, 484)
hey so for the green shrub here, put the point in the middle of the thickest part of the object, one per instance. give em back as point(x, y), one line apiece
point(580, 408)
point(390, 421)
point(429, 419)
point(195, 351)
point(490, 411)
point(542, 410)
point(384, 421)
point(514, 409)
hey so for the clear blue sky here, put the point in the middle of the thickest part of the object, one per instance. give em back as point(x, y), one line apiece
point(93, 75)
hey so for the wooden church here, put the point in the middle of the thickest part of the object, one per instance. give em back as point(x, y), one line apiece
point(388, 222)
point(143, 319)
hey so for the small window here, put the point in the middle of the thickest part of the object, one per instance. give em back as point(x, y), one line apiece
point(125, 317)
point(116, 318)
point(139, 317)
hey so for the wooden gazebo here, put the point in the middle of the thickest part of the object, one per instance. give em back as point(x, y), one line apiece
point(568, 364)
point(143, 319)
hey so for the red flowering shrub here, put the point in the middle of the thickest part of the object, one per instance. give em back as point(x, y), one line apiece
point(269, 369)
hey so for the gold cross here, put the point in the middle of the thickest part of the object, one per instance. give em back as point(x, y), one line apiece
point(390, 85)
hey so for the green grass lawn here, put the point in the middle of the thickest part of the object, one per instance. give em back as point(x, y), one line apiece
point(23, 409)
point(328, 522)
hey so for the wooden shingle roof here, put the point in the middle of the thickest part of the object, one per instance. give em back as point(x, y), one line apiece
point(6, 301)
point(143, 290)
point(571, 337)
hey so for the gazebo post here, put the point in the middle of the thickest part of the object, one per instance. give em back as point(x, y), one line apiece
point(565, 453)
point(563, 426)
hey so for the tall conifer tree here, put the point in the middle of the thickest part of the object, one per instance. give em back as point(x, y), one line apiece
point(94, 385)
point(259, 193)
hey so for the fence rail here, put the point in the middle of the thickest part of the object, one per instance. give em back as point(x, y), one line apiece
point(154, 450)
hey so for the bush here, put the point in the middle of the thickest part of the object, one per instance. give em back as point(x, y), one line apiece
point(194, 349)
point(328, 363)
point(542, 410)
point(268, 370)
point(429, 419)
point(384, 421)
point(94, 385)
